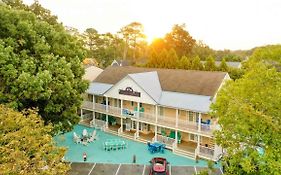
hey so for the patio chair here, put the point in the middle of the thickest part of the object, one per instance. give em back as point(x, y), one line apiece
point(85, 133)
point(76, 138)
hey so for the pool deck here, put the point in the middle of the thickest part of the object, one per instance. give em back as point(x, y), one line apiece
point(129, 169)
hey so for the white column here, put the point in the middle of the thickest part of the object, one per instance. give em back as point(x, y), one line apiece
point(94, 115)
point(156, 113)
point(106, 101)
point(121, 107)
point(199, 122)
point(121, 125)
point(138, 115)
point(198, 143)
point(81, 113)
point(177, 117)
point(94, 103)
point(176, 131)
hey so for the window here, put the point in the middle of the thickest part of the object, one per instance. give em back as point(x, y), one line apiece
point(193, 137)
point(115, 102)
point(161, 110)
point(140, 105)
point(190, 116)
point(132, 103)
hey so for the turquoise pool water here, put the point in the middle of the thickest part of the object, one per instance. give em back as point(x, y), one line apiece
point(96, 153)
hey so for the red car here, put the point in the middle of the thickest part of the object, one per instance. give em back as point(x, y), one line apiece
point(159, 166)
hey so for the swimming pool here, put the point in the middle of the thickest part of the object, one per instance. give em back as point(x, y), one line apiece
point(96, 153)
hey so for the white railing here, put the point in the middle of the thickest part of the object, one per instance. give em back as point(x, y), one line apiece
point(174, 145)
point(87, 116)
point(206, 152)
point(187, 125)
point(87, 105)
point(147, 117)
point(100, 107)
point(119, 130)
point(114, 110)
point(100, 124)
point(164, 120)
point(129, 113)
point(166, 140)
point(209, 127)
point(135, 135)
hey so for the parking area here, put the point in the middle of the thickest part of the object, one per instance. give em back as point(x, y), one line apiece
point(129, 169)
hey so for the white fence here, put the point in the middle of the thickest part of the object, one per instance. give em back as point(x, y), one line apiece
point(206, 152)
point(166, 140)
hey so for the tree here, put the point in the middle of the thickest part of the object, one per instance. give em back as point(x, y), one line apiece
point(170, 61)
point(40, 66)
point(184, 63)
point(269, 55)
point(36, 8)
point(202, 50)
point(26, 146)
point(196, 63)
point(132, 34)
point(179, 40)
point(223, 66)
point(249, 111)
point(210, 64)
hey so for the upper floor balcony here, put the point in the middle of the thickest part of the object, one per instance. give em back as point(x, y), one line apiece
point(163, 116)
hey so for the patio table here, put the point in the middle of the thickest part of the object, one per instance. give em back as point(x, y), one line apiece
point(114, 144)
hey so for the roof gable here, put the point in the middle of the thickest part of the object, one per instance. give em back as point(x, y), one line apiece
point(145, 80)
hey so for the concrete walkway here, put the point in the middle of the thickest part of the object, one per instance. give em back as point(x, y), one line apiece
point(129, 169)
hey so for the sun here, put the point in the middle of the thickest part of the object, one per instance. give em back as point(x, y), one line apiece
point(152, 34)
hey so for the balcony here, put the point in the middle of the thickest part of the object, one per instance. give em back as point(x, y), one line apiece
point(100, 107)
point(168, 121)
point(187, 125)
point(87, 105)
point(206, 152)
point(147, 117)
point(114, 110)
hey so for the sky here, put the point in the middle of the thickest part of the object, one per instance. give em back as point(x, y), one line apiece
point(221, 24)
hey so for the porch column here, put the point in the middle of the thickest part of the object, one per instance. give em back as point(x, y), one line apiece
point(176, 138)
point(199, 122)
point(176, 131)
point(121, 125)
point(94, 115)
point(177, 118)
point(138, 115)
point(121, 107)
point(94, 103)
point(106, 105)
point(156, 114)
point(81, 113)
point(198, 143)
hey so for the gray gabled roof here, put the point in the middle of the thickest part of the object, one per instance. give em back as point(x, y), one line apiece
point(98, 88)
point(150, 83)
point(198, 103)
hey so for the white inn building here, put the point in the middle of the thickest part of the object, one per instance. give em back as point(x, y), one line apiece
point(166, 105)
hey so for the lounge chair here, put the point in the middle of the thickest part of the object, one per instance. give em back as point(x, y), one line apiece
point(93, 136)
point(76, 138)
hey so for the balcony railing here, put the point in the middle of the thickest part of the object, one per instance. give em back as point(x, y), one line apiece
point(129, 113)
point(147, 117)
point(206, 152)
point(87, 105)
point(114, 110)
point(187, 125)
point(164, 139)
point(208, 128)
point(100, 107)
point(164, 120)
